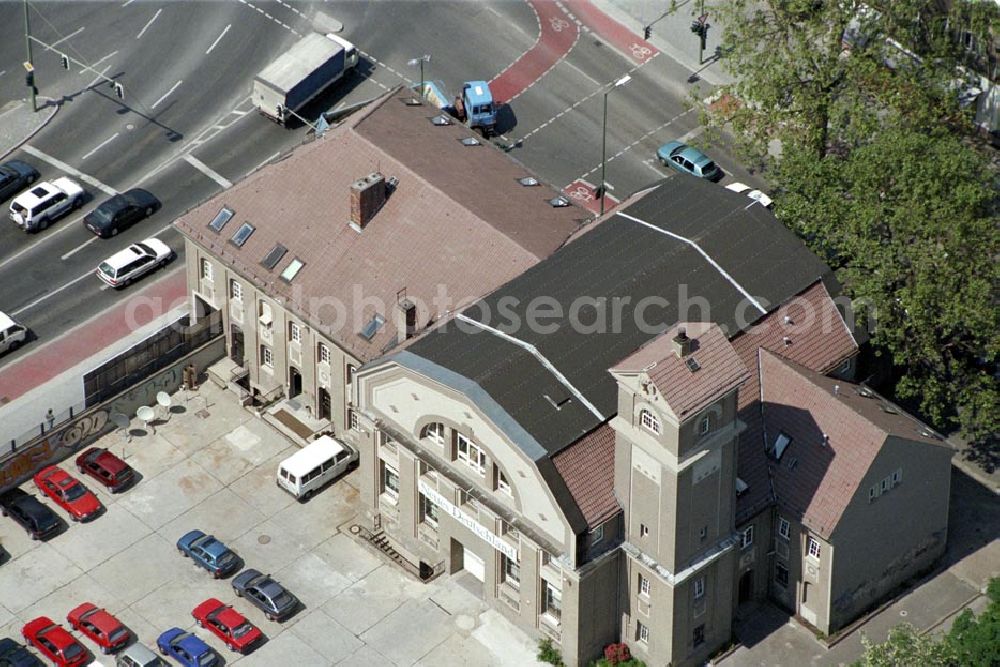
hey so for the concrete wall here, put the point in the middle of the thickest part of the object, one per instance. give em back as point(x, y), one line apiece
point(883, 542)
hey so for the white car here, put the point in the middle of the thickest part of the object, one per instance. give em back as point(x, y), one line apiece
point(755, 195)
point(12, 334)
point(45, 202)
point(138, 259)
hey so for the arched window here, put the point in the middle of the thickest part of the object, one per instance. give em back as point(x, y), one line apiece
point(434, 432)
point(649, 421)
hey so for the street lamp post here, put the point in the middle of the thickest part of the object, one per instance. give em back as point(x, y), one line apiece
point(604, 137)
point(420, 61)
point(29, 66)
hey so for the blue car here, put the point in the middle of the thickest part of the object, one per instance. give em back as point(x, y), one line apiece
point(689, 160)
point(209, 553)
point(186, 649)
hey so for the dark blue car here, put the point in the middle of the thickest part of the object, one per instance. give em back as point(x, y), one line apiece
point(13, 654)
point(209, 553)
point(186, 649)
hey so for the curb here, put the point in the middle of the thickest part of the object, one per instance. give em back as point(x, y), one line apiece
point(52, 114)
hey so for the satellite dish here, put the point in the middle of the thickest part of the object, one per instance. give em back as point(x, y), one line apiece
point(120, 420)
point(147, 415)
point(163, 398)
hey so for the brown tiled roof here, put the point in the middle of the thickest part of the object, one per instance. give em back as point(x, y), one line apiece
point(588, 468)
point(458, 220)
point(686, 391)
point(836, 433)
point(818, 339)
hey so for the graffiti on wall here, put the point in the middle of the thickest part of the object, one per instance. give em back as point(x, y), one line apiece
point(53, 446)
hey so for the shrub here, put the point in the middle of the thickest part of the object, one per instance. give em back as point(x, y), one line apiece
point(547, 652)
point(617, 653)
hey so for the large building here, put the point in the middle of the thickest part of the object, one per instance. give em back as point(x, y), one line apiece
point(341, 250)
point(648, 430)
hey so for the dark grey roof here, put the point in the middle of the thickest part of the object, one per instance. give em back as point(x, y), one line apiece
point(747, 251)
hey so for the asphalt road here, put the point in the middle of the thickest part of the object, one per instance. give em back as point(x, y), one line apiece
point(186, 129)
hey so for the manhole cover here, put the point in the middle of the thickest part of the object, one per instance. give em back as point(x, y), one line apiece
point(355, 529)
point(902, 612)
point(203, 414)
point(264, 539)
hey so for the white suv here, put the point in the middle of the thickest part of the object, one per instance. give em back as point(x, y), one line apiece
point(12, 334)
point(46, 202)
point(138, 259)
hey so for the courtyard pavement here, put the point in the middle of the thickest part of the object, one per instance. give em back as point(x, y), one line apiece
point(211, 466)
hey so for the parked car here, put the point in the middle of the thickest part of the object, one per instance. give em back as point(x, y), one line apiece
point(227, 624)
point(755, 195)
point(13, 654)
point(55, 642)
point(14, 177)
point(186, 648)
point(35, 517)
point(12, 334)
point(266, 594)
point(106, 468)
point(135, 261)
point(121, 211)
point(138, 655)
point(99, 626)
point(689, 160)
point(37, 207)
point(209, 553)
point(67, 492)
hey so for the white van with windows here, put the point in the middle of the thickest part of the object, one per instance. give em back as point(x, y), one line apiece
point(306, 471)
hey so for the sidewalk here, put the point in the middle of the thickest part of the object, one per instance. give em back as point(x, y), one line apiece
point(18, 123)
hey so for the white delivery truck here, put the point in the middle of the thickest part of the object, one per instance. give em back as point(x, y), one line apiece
point(300, 74)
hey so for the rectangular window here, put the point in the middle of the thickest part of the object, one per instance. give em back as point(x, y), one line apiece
point(643, 530)
point(643, 586)
point(294, 333)
point(323, 354)
point(781, 575)
point(813, 548)
point(699, 635)
point(597, 534)
point(207, 270)
point(435, 432)
point(884, 485)
point(897, 477)
point(641, 632)
point(553, 601)
point(429, 510)
point(266, 356)
point(511, 572)
point(349, 373)
point(747, 538)
point(649, 422)
point(353, 421)
point(699, 588)
point(784, 528)
point(502, 484)
point(472, 455)
point(390, 481)
point(235, 291)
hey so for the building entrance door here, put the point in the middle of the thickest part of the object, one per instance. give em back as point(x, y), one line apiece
point(746, 587)
point(294, 382)
point(236, 351)
point(473, 564)
point(325, 404)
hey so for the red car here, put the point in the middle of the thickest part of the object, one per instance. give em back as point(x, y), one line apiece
point(227, 624)
point(99, 626)
point(106, 468)
point(55, 643)
point(68, 493)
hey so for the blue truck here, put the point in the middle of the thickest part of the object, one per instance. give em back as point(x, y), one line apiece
point(300, 74)
point(474, 107)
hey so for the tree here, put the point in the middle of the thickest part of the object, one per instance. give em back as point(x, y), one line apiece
point(905, 647)
point(876, 171)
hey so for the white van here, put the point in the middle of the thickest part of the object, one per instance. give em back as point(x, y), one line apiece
point(12, 334)
point(305, 471)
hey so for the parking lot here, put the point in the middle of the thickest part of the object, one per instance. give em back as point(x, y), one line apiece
point(211, 466)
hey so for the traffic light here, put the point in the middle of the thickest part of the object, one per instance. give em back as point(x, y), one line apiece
point(647, 32)
point(64, 59)
point(119, 91)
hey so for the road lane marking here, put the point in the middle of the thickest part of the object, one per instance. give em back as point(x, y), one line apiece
point(218, 39)
point(48, 295)
point(266, 160)
point(208, 171)
point(59, 164)
point(167, 94)
point(127, 3)
point(63, 39)
point(28, 248)
point(688, 136)
point(100, 145)
point(146, 27)
point(79, 248)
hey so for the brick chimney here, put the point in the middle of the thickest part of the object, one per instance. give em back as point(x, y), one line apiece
point(406, 320)
point(682, 344)
point(367, 197)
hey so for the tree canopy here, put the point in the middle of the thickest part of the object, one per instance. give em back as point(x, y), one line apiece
point(878, 169)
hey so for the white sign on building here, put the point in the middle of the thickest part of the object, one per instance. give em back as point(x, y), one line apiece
point(469, 521)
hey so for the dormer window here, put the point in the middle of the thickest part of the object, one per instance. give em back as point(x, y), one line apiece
point(649, 421)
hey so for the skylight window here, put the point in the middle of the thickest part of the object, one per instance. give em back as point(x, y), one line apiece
point(273, 256)
point(242, 234)
point(292, 270)
point(470, 141)
point(441, 120)
point(224, 215)
point(372, 327)
point(692, 364)
point(559, 202)
point(528, 181)
point(781, 444)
